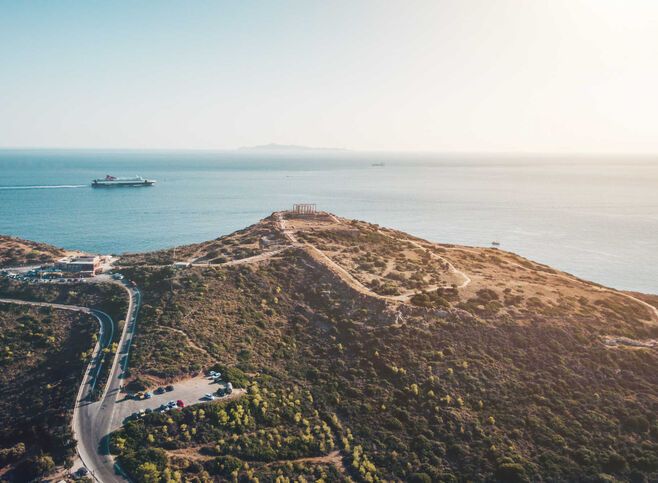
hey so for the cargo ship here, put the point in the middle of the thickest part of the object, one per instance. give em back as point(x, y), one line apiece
point(110, 181)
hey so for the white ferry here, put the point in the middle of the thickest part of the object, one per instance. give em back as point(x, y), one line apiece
point(110, 181)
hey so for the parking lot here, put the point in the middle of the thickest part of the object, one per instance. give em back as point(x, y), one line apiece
point(190, 391)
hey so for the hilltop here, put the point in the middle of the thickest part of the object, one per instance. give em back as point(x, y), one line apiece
point(364, 353)
point(370, 353)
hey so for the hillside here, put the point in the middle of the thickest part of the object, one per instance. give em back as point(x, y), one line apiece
point(371, 354)
point(16, 251)
point(43, 352)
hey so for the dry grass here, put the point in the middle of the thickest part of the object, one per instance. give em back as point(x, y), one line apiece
point(15, 252)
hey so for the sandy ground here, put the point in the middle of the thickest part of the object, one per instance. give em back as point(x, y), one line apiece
point(190, 391)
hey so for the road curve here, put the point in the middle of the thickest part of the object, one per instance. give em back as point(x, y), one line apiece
point(92, 420)
point(90, 377)
point(106, 334)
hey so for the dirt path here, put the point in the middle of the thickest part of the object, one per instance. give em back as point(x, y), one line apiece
point(243, 261)
point(189, 340)
point(321, 257)
point(348, 278)
point(451, 267)
point(628, 343)
point(334, 458)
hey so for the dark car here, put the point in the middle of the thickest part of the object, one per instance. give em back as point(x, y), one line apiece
point(159, 390)
point(169, 388)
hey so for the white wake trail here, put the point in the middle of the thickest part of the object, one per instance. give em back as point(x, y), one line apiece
point(43, 187)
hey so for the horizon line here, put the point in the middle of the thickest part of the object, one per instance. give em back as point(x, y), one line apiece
point(299, 149)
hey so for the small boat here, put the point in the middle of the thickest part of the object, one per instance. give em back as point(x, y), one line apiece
point(495, 243)
point(378, 164)
point(111, 181)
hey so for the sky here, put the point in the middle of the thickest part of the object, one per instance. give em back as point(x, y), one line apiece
point(572, 76)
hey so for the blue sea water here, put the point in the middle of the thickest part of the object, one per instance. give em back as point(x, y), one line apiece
point(595, 218)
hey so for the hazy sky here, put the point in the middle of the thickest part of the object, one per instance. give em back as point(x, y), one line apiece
point(463, 75)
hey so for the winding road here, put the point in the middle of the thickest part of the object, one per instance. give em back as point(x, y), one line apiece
point(92, 420)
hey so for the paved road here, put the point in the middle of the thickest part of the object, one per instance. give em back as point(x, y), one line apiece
point(104, 340)
point(92, 422)
point(85, 412)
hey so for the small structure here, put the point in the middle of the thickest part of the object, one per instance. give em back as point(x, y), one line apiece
point(264, 242)
point(304, 209)
point(86, 265)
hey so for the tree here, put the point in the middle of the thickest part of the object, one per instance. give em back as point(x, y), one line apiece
point(511, 473)
point(34, 467)
point(419, 478)
point(148, 472)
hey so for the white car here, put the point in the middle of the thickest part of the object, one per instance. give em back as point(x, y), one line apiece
point(209, 397)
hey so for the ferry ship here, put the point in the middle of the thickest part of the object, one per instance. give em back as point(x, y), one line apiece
point(109, 181)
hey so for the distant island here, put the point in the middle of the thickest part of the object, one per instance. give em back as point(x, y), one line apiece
point(312, 347)
point(288, 148)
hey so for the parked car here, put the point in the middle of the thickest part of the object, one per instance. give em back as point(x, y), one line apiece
point(169, 388)
point(180, 403)
point(159, 390)
point(148, 395)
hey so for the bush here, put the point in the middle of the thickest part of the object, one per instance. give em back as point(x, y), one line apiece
point(615, 463)
point(233, 375)
point(224, 465)
point(136, 385)
point(34, 467)
point(419, 478)
point(511, 473)
point(9, 455)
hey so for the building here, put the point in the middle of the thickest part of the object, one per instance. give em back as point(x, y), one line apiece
point(304, 209)
point(82, 265)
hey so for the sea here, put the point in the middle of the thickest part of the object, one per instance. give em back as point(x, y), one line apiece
point(595, 217)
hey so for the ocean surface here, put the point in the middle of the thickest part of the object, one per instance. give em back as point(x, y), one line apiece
point(594, 217)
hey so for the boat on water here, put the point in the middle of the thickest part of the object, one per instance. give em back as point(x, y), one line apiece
point(378, 164)
point(111, 181)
